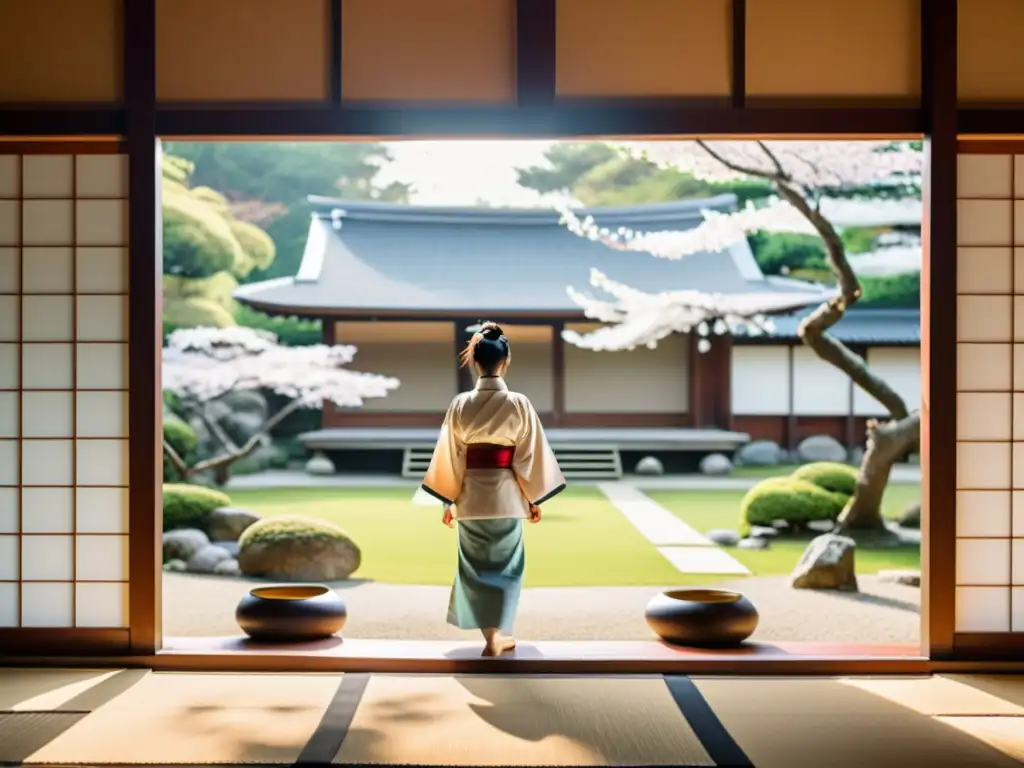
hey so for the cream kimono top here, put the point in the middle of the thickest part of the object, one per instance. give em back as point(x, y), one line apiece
point(491, 414)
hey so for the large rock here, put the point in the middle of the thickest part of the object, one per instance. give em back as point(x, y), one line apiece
point(228, 523)
point(227, 567)
point(827, 563)
point(649, 465)
point(754, 543)
point(298, 549)
point(182, 544)
point(230, 546)
point(821, 448)
point(319, 464)
point(759, 453)
point(207, 559)
point(715, 464)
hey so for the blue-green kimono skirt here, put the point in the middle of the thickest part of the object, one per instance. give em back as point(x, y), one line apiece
point(489, 577)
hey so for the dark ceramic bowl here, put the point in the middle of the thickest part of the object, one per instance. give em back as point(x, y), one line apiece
point(702, 618)
point(291, 613)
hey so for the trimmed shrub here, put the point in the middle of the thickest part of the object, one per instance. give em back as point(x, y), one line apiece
point(195, 313)
point(187, 506)
point(829, 476)
point(182, 438)
point(793, 500)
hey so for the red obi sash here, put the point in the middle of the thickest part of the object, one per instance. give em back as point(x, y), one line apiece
point(488, 456)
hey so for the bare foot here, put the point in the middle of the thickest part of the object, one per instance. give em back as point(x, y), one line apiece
point(498, 645)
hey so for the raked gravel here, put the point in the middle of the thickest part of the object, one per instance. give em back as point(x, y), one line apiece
point(881, 613)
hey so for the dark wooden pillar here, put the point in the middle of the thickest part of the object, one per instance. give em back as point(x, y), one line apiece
point(558, 373)
point(329, 337)
point(711, 383)
point(939, 328)
point(463, 376)
point(145, 250)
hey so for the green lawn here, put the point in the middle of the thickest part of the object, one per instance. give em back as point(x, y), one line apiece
point(707, 510)
point(582, 541)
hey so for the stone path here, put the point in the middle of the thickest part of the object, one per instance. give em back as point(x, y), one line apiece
point(687, 549)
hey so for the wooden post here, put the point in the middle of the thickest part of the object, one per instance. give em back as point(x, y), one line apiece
point(558, 373)
point(463, 376)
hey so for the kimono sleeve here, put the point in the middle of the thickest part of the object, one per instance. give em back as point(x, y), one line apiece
point(534, 462)
point(443, 480)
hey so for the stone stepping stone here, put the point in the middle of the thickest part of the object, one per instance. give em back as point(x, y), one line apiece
point(704, 560)
point(655, 523)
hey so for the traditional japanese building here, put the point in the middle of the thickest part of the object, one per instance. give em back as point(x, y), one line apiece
point(404, 282)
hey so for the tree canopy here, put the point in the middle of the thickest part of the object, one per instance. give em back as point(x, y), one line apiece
point(597, 174)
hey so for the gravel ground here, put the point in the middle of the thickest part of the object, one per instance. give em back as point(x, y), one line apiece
point(881, 613)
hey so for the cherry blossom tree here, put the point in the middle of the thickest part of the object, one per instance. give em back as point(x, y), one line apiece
point(203, 365)
point(803, 174)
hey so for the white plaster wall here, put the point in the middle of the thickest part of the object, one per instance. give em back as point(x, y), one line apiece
point(637, 381)
point(819, 389)
point(760, 380)
point(901, 368)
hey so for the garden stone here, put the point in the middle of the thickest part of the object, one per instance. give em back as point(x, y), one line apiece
point(821, 448)
point(175, 565)
point(298, 549)
point(227, 523)
point(182, 544)
point(723, 537)
point(763, 532)
point(752, 543)
point(319, 464)
point(906, 578)
point(911, 516)
point(227, 567)
point(827, 563)
point(230, 546)
point(820, 526)
point(781, 525)
point(207, 559)
point(649, 465)
point(759, 453)
point(715, 464)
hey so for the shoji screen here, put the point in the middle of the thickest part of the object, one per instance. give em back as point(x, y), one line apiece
point(63, 398)
point(990, 394)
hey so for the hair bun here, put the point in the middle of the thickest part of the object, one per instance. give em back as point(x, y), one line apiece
point(491, 331)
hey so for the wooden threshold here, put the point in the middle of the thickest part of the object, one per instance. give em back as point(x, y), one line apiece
point(542, 657)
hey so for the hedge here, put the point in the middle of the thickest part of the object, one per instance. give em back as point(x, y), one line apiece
point(829, 476)
point(791, 499)
point(187, 506)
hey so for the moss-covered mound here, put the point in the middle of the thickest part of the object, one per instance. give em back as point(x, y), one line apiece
point(187, 506)
point(294, 548)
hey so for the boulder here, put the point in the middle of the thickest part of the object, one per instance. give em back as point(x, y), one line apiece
point(723, 537)
point(821, 448)
point(207, 559)
point(228, 523)
point(763, 532)
point(177, 566)
point(230, 546)
point(182, 544)
point(227, 567)
point(715, 464)
point(759, 453)
point(319, 464)
point(911, 517)
point(906, 578)
point(827, 563)
point(754, 543)
point(295, 548)
point(649, 465)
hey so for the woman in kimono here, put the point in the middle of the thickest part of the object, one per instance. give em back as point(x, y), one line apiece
point(492, 468)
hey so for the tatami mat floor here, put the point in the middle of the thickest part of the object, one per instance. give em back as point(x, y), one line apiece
point(136, 717)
